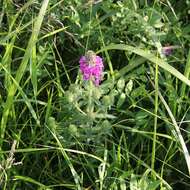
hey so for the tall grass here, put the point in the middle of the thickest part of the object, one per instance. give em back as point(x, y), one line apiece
point(61, 132)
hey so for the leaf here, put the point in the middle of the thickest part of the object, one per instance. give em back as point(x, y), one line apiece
point(133, 183)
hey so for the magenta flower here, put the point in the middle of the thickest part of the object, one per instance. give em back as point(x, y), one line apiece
point(167, 50)
point(92, 67)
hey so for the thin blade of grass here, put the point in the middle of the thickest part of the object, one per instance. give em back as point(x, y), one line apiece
point(26, 100)
point(186, 74)
point(51, 148)
point(155, 120)
point(181, 140)
point(30, 180)
point(6, 61)
point(25, 6)
point(53, 33)
point(67, 159)
point(33, 70)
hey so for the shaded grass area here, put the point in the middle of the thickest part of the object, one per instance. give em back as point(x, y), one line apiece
point(136, 134)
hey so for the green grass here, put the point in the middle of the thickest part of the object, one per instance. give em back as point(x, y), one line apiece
point(59, 132)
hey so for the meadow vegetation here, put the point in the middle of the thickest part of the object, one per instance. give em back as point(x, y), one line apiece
point(126, 126)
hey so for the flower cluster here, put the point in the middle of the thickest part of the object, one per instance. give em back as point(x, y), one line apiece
point(93, 71)
point(167, 50)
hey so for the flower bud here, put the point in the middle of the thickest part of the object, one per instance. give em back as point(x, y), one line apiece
point(121, 84)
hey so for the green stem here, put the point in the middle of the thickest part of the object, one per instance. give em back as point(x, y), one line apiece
point(106, 53)
point(90, 106)
point(155, 122)
point(186, 74)
point(86, 48)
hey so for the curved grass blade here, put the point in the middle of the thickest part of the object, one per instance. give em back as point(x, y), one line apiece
point(149, 56)
point(30, 180)
point(180, 137)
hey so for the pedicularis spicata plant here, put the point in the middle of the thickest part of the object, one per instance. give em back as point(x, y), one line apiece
point(86, 104)
point(85, 107)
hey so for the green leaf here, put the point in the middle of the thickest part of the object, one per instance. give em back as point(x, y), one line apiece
point(121, 100)
point(133, 183)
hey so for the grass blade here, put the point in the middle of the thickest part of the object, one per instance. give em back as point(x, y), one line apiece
point(181, 140)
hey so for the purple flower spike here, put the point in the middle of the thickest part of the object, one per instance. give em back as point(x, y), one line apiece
point(91, 67)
